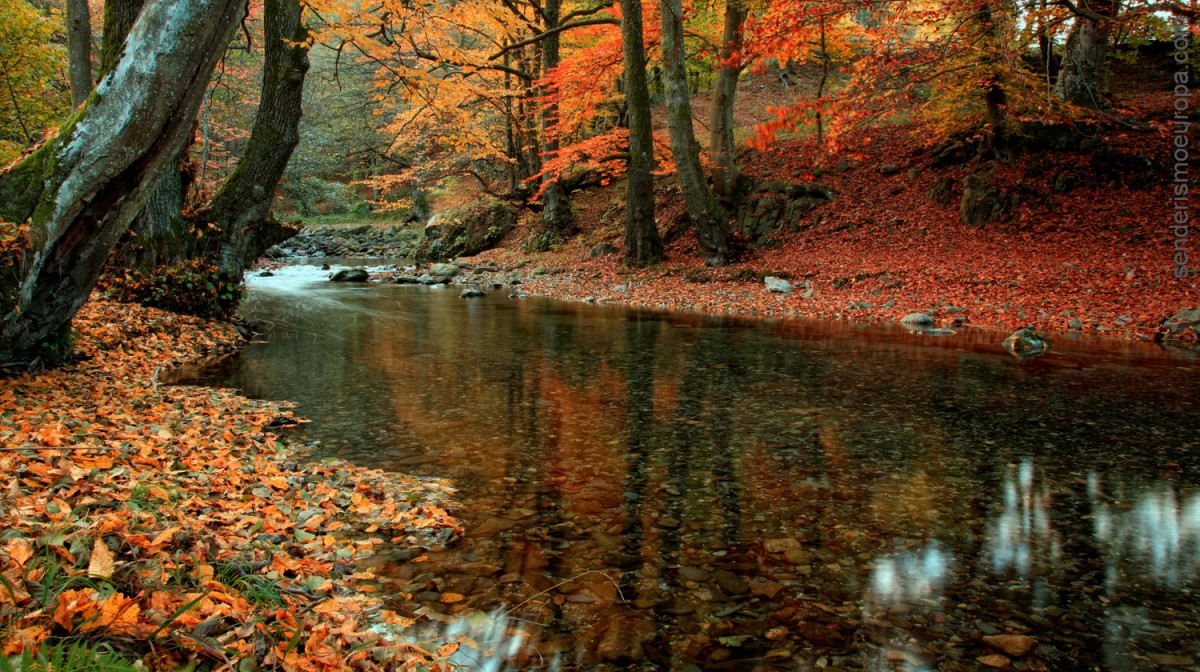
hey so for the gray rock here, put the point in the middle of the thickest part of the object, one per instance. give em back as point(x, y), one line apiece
point(427, 279)
point(266, 274)
point(1182, 321)
point(350, 275)
point(444, 270)
point(620, 288)
point(888, 169)
point(603, 249)
point(917, 320)
point(407, 280)
point(1075, 324)
point(471, 293)
point(777, 285)
point(1025, 343)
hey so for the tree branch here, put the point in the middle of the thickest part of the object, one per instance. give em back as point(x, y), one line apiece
point(553, 31)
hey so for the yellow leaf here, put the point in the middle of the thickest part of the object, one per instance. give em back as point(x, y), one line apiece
point(117, 613)
point(101, 563)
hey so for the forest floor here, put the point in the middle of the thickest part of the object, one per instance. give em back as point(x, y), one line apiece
point(1089, 240)
point(170, 524)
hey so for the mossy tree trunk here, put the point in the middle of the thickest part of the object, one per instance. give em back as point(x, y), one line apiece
point(706, 215)
point(81, 189)
point(241, 208)
point(643, 245)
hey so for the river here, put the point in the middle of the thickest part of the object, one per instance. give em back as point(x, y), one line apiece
point(645, 490)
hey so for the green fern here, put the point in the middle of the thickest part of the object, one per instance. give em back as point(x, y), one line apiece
point(60, 658)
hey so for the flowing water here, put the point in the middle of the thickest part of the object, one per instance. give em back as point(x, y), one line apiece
point(656, 491)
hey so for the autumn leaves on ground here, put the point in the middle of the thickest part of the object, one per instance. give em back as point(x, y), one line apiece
point(171, 525)
point(1097, 251)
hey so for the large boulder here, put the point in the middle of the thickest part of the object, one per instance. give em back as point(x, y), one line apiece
point(982, 202)
point(467, 233)
point(1182, 322)
point(350, 275)
point(778, 206)
point(603, 249)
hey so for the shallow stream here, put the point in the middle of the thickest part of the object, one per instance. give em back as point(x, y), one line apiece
point(659, 491)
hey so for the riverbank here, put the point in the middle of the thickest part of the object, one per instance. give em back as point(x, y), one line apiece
point(176, 527)
point(1082, 246)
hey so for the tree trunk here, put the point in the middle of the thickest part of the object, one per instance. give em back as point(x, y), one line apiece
point(721, 146)
point(1083, 59)
point(558, 221)
point(241, 209)
point(119, 16)
point(79, 51)
point(82, 188)
point(708, 220)
point(643, 245)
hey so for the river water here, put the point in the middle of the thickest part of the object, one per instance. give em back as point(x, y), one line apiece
point(656, 491)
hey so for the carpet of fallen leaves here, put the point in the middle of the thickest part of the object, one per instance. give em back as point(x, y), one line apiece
point(1101, 252)
point(174, 525)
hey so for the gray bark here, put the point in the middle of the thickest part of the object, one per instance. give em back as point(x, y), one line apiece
point(1083, 62)
point(643, 245)
point(707, 218)
point(79, 51)
point(721, 144)
point(80, 190)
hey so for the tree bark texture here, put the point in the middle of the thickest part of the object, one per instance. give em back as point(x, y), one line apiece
point(81, 189)
point(707, 218)
point(79, 50)
point(721, 144)
point(558, 221)
point(643, 245)
point(241, 208)
point(1082, 65)
point(119, 17)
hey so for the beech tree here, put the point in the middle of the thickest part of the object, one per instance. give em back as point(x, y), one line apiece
point(79, 50)
point(643, 245)
point(78, 192)
point(241, 209)
point(707, 218)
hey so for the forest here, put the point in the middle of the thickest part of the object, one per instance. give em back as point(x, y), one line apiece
point(748, 297)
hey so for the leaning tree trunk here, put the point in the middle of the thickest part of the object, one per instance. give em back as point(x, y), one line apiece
point(1083, 58)
point(643, 245)
point(558, 221)
point(721, 145)
point(80, 190)
point(241, 209)
point(708, 220)
point(79, 51)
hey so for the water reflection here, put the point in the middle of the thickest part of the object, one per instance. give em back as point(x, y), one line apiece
point(787, 495)
point(1022, 535)
point(1155, 536)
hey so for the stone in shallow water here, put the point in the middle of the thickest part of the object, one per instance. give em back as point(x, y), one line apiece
point(1026, 343)
point(693, 573)
point(350, 275)
point(1015, 646)
point(731, 584)
point(994, 660)
point(916, 320)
